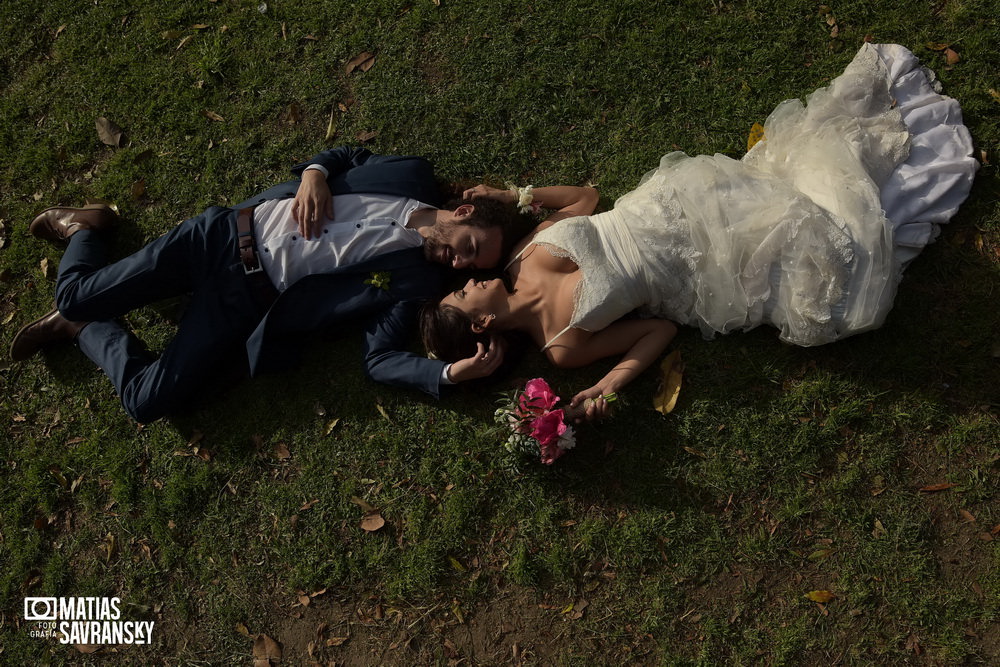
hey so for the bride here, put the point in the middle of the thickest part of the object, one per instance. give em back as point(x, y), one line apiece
point(809, 232)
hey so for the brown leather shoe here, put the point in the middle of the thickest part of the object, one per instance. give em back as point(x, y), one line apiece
point(58, 224)
point(47, 330)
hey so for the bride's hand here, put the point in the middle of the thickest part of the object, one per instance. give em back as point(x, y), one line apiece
point(486, 191)
point(590, 405)
point(482, 364)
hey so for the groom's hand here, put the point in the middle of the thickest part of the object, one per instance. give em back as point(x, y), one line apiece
point(482, 364)
point(313, 204)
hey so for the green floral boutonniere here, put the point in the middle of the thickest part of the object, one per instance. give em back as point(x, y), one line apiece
point(379, 279)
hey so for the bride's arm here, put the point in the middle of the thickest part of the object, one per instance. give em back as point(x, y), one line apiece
point(565, 201)
point(640, 342)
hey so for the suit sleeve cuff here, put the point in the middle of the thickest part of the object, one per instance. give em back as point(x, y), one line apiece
point(444, 375)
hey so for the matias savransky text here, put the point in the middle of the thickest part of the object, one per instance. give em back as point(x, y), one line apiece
point(85, 620)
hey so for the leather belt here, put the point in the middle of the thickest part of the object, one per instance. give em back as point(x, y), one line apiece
point(260, 284)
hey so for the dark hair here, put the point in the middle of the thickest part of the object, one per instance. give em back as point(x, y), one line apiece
point(447, 332)
point(490, 213)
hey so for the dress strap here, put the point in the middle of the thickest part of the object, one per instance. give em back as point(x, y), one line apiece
point(517, 256)
point(554, 338)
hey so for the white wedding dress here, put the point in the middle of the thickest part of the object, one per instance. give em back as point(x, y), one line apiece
point(809, 232)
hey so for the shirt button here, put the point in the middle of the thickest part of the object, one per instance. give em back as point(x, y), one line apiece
point(295, 238)
point(358, 226)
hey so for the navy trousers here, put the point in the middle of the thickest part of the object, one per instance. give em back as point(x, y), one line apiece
point(200, 257)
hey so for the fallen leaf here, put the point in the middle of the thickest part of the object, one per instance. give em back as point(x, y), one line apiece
point(242, 629)
point(756, 134)
point(366, 136)
point(184, 42)
point(294, 113)
point(951, 57)
point(309, 505)
point(931, 488)
point(995, 95)
point(934, 46)
point(331, 127)
point(913, 644)
point(372, 522)
point(821, 597)
point(44, 266)
point(171, 34)
point(336, 641)
point(330, 426)
point(671, 374)
point(281, 451)
point(211, 115)
point(967, 515)
point(108, 132)
point(363, 61)
point(695, 452)
point(366, 508)
point(265, 650)
point(304, 600)
point(138, 189)
point(879, 529)
point(87, 648)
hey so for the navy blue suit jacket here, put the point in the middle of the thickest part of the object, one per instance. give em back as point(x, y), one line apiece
point(387, 315)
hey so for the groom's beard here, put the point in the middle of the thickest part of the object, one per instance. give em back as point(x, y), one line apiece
point(435, 249)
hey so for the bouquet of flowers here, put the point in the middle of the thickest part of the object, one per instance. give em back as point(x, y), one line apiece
point(538, 428)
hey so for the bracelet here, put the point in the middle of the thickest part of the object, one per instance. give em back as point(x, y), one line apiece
point(522, 197)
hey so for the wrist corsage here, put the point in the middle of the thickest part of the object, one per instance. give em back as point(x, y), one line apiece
point(524, 198)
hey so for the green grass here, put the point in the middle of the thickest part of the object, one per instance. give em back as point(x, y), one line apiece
point(693, 537)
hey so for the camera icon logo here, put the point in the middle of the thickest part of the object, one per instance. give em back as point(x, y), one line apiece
point(41, 609)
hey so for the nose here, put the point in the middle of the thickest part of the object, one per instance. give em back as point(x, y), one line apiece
point(461, 262)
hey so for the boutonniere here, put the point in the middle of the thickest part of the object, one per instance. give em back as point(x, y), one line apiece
point(379, 279)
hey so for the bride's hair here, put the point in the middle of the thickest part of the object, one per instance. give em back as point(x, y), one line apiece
point(447, 332)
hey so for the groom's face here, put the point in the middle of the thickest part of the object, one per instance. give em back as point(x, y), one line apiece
point(462, 246)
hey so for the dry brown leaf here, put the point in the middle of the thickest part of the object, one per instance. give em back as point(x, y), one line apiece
point(935, 46)
point(243, 629)
point(931, 488)
point(304, 600)
point(87, 648)
point(363, 61)
point(294, 113)
point(372, 522)
point(171, 34)
point(366, 136)
point(138, 189)
point(281, 451)
point(109, 133)
point(44, 266)
point(821, 597)
point(330, 426)
point(336, 641)
point(331, 127)
point(309, 505)
point(671, 375)
point(365, 507)
point(951, 57)
point(967, 515)
point(995, 95)
point(211, 115)
point(266, 649)
point(184, 42)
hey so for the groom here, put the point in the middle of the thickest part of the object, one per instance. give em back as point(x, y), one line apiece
point(351, 239)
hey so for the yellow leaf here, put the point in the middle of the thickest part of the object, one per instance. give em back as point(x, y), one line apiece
point(756, 134)
point(995, 95)
point(671, 373)
point(821, 597)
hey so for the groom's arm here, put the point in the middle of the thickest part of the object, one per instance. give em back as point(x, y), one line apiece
point(386, 358)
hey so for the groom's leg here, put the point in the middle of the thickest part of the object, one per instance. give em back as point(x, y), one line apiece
point(210, 342)
point(89, 289)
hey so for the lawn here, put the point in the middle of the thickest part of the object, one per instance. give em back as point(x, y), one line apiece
point(832, 505)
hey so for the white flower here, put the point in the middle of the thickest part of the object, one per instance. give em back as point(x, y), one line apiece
point(568, 438)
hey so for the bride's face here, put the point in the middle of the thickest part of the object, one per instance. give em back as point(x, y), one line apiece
point(478, 298)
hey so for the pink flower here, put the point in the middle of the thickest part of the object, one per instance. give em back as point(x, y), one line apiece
point(547, 430)
point(537, 397)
